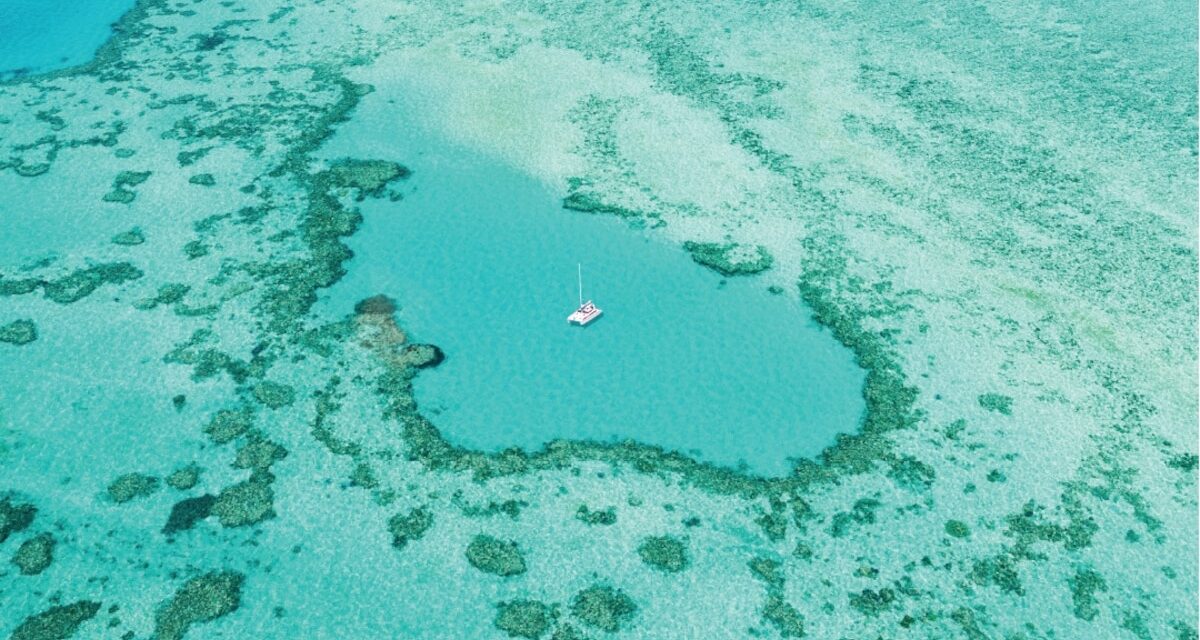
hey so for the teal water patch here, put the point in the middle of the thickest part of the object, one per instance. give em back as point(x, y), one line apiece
point(482, 261)
point(39, 36)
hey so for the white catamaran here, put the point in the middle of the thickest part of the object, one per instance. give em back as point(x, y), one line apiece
point(587, 311)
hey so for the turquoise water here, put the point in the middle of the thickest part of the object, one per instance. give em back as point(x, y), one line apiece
point(482, 260)
point(39, 36)
point(976, 164)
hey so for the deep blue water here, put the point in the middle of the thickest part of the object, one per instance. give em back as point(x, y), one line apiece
point(40, 35)
point(482, 260)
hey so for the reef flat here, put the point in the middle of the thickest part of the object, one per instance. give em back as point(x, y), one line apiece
point(991, 204)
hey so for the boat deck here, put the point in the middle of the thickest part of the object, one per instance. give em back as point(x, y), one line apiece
point(586, 313)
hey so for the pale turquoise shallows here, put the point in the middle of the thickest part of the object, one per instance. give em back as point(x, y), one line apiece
point(482, 261)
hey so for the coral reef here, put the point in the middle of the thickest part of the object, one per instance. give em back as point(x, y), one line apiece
point(201, 599)
point(495, 556)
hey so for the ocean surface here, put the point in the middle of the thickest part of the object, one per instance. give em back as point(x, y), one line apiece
point(38, 36)
point(994, 202)
point(483, 261)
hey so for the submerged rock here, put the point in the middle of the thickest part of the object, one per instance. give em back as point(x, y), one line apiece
point(14, 517)
point(201, 599)
point(495, 556)
point(56, 623)
point(186, 513)
point(376, 305)
point(35, 554)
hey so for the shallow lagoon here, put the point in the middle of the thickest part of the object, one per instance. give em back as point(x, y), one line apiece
point(482, 261)
point(40, 36)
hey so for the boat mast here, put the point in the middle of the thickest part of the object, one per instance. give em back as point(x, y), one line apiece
point(580, 284)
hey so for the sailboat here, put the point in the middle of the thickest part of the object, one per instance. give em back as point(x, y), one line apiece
point(587, 311)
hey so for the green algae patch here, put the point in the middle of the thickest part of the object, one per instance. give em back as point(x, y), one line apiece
point(783, 616)
point(996, 402)
point(1185, 462)
point(999, 571)
point(1085, 584)
point(863, 513)
point(201, 599)
point(274, 395)
point(186, 513)
point(408, 527)
point(776, 611)
point(601, 517)
point(497, 557)
point(246, 503)
point(131, 486)
point(14, 517)
point(603, 607)
point(130, 238)
point(18, 332)
point(665, 553)
point(911, 474)
point(527, 619)
point(730, 259)
point(872, 603)
point(184, 478)
point(957, 529)
point(229, 424)
point(56, 623)
point(35, 554)
point(203, 180)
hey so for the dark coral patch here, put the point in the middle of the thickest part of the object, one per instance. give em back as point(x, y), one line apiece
point(132, 486)
point(730, 259)
point(497, 557)
point(56, 623)
point(246, 503)
point(603, 607)
point(665, 553)
point(18, 332)
point(201, 599)
point(407, 527)
point(527, 619)
point(35, 554)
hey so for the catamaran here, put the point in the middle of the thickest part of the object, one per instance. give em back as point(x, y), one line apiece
point(587, 311)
